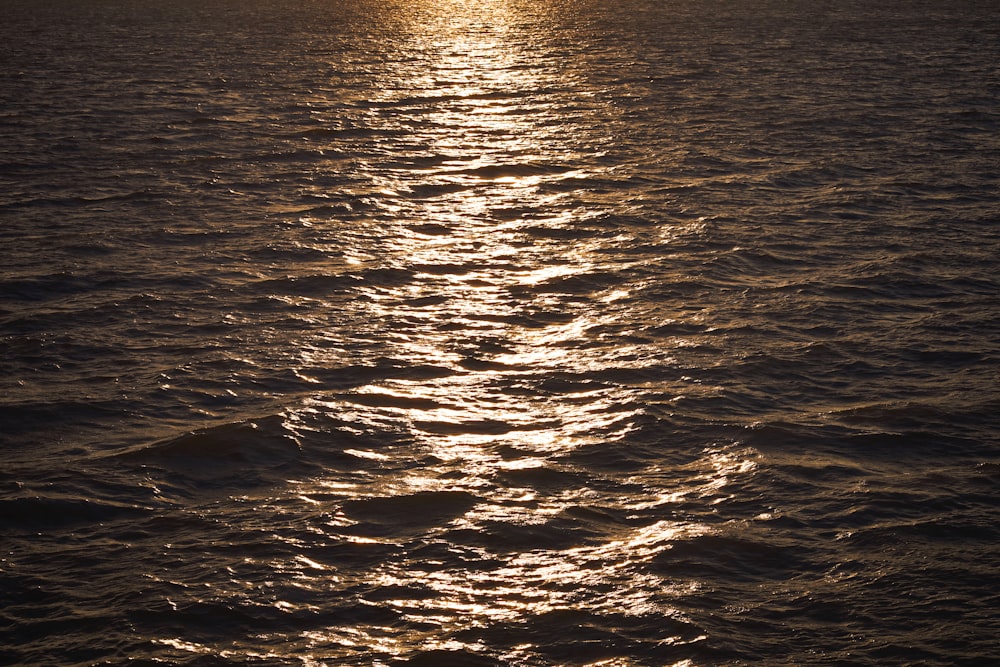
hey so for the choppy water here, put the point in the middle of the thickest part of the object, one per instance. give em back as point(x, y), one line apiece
point(520, 332)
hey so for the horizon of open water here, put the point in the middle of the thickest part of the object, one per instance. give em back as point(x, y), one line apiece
point(499, 332)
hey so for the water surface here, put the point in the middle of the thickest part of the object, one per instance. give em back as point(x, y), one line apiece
point(499, 332)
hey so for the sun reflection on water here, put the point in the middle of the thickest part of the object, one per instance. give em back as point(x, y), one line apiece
point(503, 309)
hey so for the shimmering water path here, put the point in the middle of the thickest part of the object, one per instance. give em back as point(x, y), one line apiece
point(499, 332)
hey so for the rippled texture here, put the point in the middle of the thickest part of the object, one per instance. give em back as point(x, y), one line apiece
point(499, 332)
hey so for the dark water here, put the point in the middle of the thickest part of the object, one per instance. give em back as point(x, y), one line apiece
point(499, 332)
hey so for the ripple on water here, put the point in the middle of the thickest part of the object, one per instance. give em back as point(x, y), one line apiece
point(530, 333)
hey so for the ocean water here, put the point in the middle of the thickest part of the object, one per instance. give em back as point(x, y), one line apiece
point(499, 332)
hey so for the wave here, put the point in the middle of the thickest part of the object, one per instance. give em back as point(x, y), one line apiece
point(415, 510)
point(43, 513)
point(254, 451)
